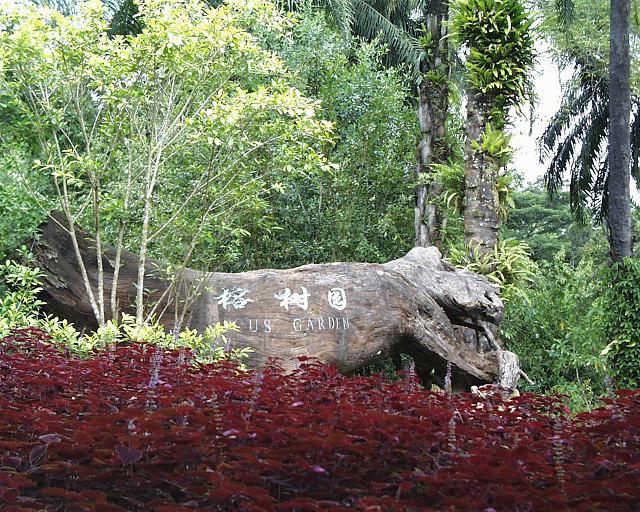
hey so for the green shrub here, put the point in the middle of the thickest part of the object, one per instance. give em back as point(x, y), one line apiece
point(622, 322)
point(20, 307)
point(363, 209)
point(509, 265)
point(19, 288)
point(557, 328)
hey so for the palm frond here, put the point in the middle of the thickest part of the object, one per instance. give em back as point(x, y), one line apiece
point(594, 146)
point(342, 12)
point(124, 19)
point(566, 12)
point(579, 97)
point(372, 24)
point(576, 141)
point(563, 157)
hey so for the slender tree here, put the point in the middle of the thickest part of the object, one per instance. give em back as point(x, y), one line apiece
point(433, 92)
point(619, 204)
point(499, 38)
point(575, 140)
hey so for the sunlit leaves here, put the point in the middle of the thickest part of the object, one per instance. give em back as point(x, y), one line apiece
point(500, 38)
point(192, 96)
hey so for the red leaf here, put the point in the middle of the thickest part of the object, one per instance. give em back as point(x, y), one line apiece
point(107, 507)
point(37, 454)
point(9, 495)
point(128, 454)
point(50, 438)
point(93, 496)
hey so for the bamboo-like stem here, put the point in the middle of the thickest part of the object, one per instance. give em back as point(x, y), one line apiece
point(65, 204)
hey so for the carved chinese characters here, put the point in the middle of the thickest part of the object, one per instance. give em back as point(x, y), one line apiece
point(235, 298)
point(292, 300)
point(337, 298)
point(287, 298)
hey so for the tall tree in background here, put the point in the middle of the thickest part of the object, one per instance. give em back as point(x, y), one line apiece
point(499, 38)
point(619, 206)
point(433, 92)
point(576, 138)
point(414, 31)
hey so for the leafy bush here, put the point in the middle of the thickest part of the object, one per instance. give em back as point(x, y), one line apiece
point(363, 209)
point(508, 265)
point(19, 288)
point(20, 213)
point(558, 329)
point(622, 322)
point(20, 307)
point(137, 429)
point(167, 141)
point(547, 226)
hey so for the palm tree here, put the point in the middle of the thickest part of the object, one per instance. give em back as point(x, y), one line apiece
point(618, 212)
point(577, 137)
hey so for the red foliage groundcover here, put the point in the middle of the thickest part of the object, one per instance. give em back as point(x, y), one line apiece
point(137, 429)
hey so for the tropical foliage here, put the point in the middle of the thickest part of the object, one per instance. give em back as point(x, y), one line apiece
point(237, 135)
point(576, 137)
point(547, 226)
point(501, 51)
point(162, 141)
point(560, 326)
point(360, 211)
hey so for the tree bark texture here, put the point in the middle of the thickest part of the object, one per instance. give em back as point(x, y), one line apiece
point(347, 314)
point(619, 199)
point(481, 207)
point(432, 113)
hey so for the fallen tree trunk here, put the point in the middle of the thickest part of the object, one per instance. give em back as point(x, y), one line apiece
point(347, 314)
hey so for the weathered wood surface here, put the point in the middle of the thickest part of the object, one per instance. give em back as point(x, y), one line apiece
point(347, 314)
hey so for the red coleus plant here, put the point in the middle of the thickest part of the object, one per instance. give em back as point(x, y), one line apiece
point(129, 430)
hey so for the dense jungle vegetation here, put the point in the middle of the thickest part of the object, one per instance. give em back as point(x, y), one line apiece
point(247, 134)
point(237, 135)
point(250, 135)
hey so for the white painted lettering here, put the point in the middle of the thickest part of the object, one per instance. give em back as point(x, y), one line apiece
point(234, 298)
point(288, 298)
point(297, 324)
point(337, 298)
point(320, 323)
point(267, 326)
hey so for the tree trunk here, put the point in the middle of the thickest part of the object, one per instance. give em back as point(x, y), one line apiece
point(432, 114)
point(481, 207)
point(619, 200)
point(347, 314)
